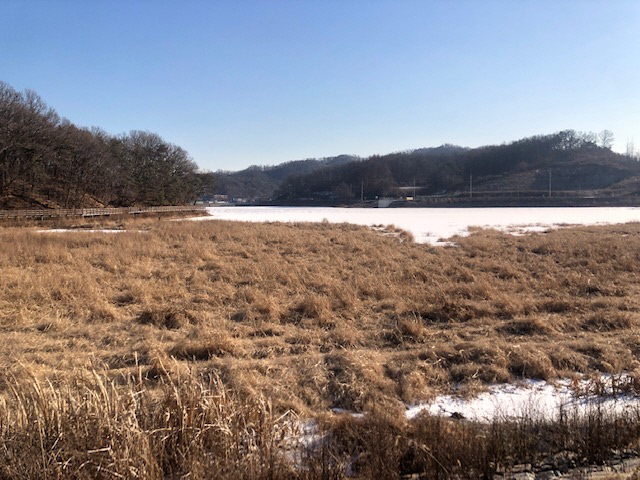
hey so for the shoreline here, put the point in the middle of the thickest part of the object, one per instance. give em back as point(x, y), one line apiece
point(456, 202)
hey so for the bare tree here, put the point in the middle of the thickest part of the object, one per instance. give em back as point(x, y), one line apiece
point(27, 127)
point(589, 139)
point(606, 138)
point(161, 173)
point(631, 150)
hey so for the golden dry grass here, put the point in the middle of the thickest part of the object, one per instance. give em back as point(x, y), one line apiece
point(315, 315)
point(88, 427)
point(208, 335)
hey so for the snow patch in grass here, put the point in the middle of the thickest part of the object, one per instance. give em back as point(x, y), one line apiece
point(85, 230)
point(537, 399)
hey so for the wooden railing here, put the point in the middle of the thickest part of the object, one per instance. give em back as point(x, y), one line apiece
point(94, 212)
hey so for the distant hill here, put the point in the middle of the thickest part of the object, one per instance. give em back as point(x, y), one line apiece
point(575, 161)
point(261, 182)
point(265, 182)
point(48, 162)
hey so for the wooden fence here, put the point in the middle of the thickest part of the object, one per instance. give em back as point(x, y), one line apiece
point(94, 212)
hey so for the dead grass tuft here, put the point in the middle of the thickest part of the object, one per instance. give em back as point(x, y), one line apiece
point(199, 350)
point(608, 321)
point(168, 318)
point(311, 307)
point(526, 327)
point(555, 306)
point(527, 364)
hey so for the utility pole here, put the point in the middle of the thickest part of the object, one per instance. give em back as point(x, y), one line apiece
point(471, 185)
point(414, 189)
point(362, 191)
point(549, 183)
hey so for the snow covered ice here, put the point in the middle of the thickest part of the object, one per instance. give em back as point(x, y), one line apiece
point(431, 225)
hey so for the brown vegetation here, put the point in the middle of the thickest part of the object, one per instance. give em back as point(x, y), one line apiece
point(187, 426)
point(90, 428)
point(319, 316)
point(308, 316)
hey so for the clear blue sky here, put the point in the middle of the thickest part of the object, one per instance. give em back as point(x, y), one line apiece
point(260, 82)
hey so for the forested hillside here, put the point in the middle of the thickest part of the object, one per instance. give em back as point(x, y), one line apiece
point(262, 182)
point(575, 161)
point(47, 161)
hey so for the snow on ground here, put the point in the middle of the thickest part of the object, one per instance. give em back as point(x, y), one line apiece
point(85, 230)
point(431, 225)
point(529, 399)
point(535, 399)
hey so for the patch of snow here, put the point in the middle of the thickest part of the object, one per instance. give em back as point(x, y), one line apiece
point(536, 399)
point(343, 411)
point(303, 437)
point(84, 230)
point(524, 229)
point(66, 230)
point(530, 399)
point(430, 225)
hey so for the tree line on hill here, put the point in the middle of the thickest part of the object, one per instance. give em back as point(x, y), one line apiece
point(579, 158)
point(46, 160)
point(262, 181)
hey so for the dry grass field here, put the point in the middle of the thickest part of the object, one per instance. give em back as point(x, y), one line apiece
point(277, 318)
